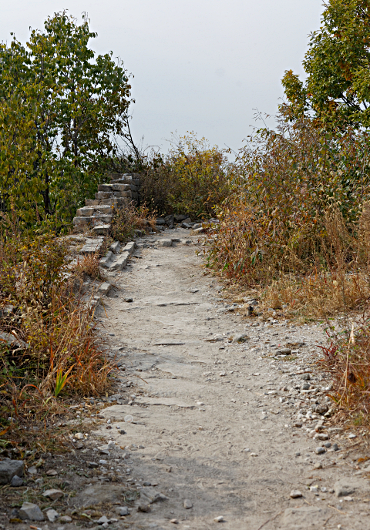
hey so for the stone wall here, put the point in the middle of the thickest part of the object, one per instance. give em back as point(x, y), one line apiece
point(97, 213)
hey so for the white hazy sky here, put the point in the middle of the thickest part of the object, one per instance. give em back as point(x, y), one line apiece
point(198, 65)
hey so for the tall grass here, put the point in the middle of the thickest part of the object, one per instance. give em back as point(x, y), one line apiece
point(55, 345)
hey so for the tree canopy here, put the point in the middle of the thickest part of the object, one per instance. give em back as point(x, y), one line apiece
point(61, 106)
point(337, 63)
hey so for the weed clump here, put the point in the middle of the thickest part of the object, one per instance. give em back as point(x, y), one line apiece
point(128, 221)
point(347, 359)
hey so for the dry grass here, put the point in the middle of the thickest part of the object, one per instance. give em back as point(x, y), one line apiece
point(347, 359)
point(316, 296)
point(126, 221)
point(57, 351)
point(88, 266)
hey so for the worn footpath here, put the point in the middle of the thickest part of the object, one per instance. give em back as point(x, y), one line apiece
point(225, 422)
point(218, 420)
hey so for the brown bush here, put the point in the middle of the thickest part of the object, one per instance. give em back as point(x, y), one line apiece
point(192, 179)
point(347, 359)
point(126, 221)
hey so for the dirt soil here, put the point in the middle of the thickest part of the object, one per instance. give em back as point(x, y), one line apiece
point(218, 419)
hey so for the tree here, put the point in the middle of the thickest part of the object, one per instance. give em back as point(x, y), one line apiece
point(60, 109)
point(337, 63)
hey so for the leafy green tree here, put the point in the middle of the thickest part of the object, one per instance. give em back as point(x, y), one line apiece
point(337, 63)
point(61, 107)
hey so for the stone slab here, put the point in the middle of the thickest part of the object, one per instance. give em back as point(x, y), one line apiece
point(178, 369)
point(165, 401)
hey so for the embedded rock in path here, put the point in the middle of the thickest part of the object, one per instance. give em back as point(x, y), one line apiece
point(347, 486)
point(168, 402)
point(297, 518)
point(97, 494)
point(53, 494)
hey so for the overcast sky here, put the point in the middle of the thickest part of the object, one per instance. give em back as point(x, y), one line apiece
point(198, 65)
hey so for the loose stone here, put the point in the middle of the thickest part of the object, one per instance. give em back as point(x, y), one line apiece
point(65, 519)
point(16, 482)
point(31, 511)
point(52, 515)
point(295, 494)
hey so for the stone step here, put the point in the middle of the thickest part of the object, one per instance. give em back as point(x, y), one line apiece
point(101, 230)
point(100, 219)
point(121, 262)
point(103, 208)
point(92, 246)
point(113, 201)
point(104, 194)
point(81, 223)
point(85, 211)
point(121, 187)
point(127, 193)
point(105, 188)
point(130, 247)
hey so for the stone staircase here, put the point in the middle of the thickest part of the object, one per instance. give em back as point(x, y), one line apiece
point(97, 213)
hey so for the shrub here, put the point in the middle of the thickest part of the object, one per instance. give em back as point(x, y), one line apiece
point(51, 330)
point(192, 179)
point(128, 220)
point(295, 220)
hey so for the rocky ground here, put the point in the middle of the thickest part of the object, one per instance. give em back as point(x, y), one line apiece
point(217, 419)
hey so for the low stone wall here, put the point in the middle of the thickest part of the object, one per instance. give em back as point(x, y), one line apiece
point(97, 213)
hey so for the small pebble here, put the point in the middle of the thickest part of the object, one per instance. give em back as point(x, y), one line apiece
point(295, 494)
point(320, 450)
point(145, 508)
point(219, 519)
point(318, 465)
point(65, 519)
point(174, 521)
point(188, 504)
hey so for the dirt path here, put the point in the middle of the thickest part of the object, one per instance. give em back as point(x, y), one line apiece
point(224, 428)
